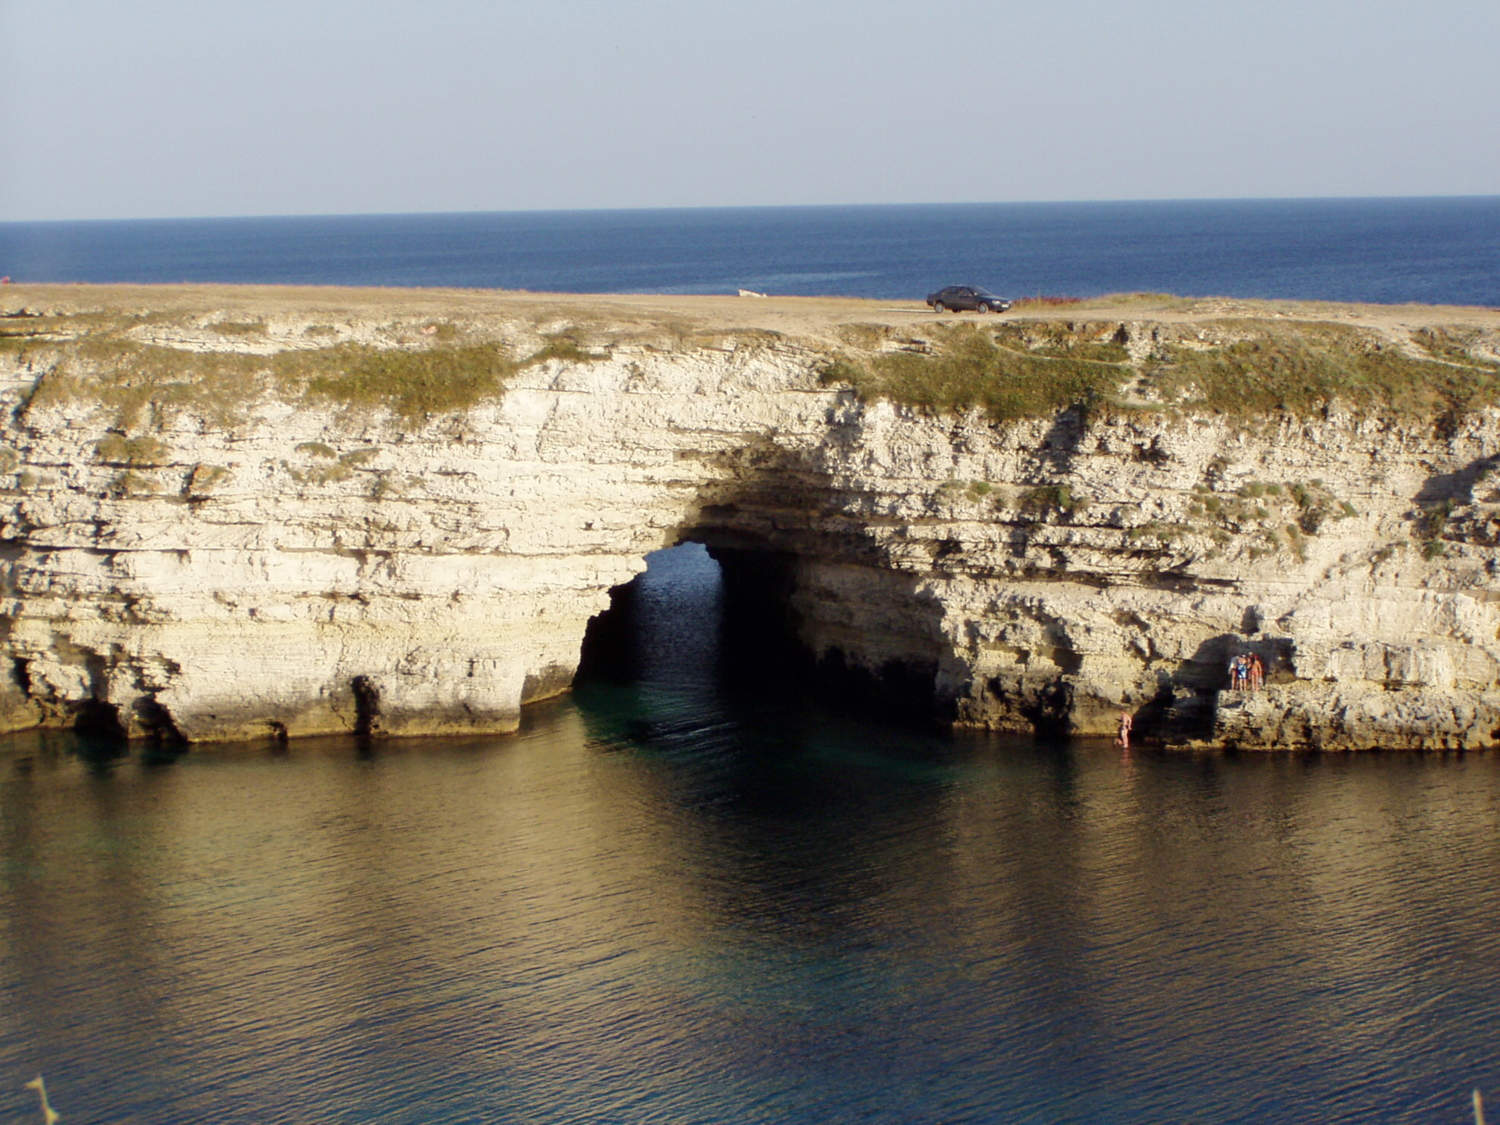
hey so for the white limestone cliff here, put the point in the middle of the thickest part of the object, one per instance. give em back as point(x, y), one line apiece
point(304, 566)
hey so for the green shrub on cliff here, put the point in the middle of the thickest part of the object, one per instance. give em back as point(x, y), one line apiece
point(147, 451)
point(1242, 368)
point(969, 368)
point(1302, 368)
point(412, 383)
point(142, 383)
point(561, 345)
point(1040, 501)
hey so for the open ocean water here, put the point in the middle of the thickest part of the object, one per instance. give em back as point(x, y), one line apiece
point(1435, 251)
point(677, 899)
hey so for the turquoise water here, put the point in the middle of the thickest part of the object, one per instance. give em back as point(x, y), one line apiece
point(676, 898)
point(1439, 251)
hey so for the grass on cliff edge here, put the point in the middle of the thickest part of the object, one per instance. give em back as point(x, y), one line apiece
point(1303, 368)
point(1241, 368)
point(1006, 375)
point(89, 356)
point(1010, 369)
point(412, 383)
point(141, 382)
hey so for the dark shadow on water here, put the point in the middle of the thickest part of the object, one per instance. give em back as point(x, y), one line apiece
point(696, 667)
point(706, 635)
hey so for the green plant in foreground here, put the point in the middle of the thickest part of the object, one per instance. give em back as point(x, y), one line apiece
point(1430, 521)
point(1010, 370)
point(204, 479)
point(142, 384)
point(341, 470)
point(132, 483)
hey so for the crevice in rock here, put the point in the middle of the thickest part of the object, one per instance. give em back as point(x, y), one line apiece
point(1050, 711)
point(155, 722)
point(93, 718)
point(608, 652)
point(1158, 717)
point(366, 705)
point(902, 690)
point(760, 646)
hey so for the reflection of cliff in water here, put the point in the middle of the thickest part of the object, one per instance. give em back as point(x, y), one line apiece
point(855, 921)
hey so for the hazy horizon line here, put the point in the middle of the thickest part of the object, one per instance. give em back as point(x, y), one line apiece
point(751, 207)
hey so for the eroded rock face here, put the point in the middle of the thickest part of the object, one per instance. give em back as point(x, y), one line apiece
point(309, 568)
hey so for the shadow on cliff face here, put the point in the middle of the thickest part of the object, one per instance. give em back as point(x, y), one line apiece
point(1458, 486)
point(1064, 438)
point(810, 598)
point(101, 723)
point(1188, 708)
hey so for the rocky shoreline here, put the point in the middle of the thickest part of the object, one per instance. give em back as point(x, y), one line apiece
point(251, 513)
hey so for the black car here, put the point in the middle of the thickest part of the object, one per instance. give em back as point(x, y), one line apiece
point(961, 297)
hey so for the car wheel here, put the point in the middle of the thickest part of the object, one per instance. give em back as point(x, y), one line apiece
point(983, 307)
point(939, 307)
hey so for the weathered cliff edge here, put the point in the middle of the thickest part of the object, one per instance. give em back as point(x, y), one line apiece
point(223, 518)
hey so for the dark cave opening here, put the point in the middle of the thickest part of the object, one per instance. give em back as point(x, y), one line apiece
point(724, 619)
point(697, 617)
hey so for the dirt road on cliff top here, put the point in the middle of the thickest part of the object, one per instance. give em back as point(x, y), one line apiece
point(815, 318)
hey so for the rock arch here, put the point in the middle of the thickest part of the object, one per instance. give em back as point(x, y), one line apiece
point(214, 581)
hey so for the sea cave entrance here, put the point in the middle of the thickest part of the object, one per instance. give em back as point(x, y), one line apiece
point(706, 627)
point(698, 619)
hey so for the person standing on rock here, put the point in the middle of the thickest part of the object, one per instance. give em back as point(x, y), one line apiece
point(1122, 740)
point(1257, 672)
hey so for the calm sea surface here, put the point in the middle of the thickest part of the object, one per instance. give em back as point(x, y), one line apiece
point(1440, 251)
point(674, 899)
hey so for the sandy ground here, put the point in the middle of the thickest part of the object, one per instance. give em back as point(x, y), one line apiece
point(805, 317)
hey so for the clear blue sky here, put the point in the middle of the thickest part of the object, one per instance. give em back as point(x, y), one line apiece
point(143, 108)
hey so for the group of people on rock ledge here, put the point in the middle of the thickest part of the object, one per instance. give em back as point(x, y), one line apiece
point(1246, 672)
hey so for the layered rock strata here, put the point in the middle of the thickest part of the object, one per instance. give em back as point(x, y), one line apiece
point(268, 561)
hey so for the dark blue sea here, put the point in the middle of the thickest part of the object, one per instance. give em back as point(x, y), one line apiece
point(1437, 251)
point(677, 899)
